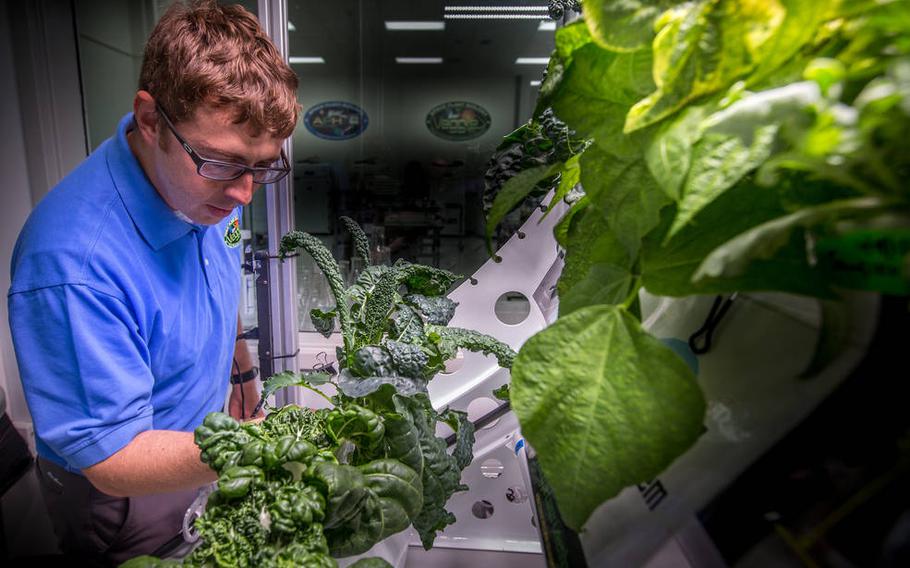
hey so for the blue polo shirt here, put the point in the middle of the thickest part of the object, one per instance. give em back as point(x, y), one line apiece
point(123, 315)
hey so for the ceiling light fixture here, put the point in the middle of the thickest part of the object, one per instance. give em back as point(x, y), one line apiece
point(401, 26)
point(532, 60)
point(291, 26)
point(535, 83)
point(497, 9)
point(495, 12)
point(418, 60)
point(546, 26)
point(492, 17)
point(293, 60)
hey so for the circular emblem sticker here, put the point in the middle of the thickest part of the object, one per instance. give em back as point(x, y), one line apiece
point(458, 120)
point(232, 236)
point(336, 120)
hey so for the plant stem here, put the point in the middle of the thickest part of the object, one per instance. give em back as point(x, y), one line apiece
point(319, 392)
point(633, 294)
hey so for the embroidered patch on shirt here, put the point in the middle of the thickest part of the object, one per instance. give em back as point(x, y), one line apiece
point(232, 235)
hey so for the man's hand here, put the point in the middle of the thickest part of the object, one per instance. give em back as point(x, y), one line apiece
point(244, 398)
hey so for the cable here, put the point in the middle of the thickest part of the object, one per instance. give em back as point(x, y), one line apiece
point(236, 368)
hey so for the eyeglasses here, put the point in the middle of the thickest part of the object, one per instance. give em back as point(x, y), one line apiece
point(227, 171)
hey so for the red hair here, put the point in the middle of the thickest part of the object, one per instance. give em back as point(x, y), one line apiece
point(207, 54)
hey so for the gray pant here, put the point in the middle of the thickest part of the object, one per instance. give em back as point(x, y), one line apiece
point(99, 530)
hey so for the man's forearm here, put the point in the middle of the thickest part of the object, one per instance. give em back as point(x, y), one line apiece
point(156, 461)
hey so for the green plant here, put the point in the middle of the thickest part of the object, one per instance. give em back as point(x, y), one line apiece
point(735, 145)
point(303, 486)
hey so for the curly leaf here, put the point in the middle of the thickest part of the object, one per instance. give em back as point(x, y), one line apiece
point(323, 321)
point(402, 440)
point(451, 339)
point(377, 308)
point(425, 280)
point(464, 436)
point(353, 422)
point(324, 260)
point(399, 490)
point(409, 360)
point(358, 387)
point(406, 325)
point(361, 242)
point(441, 475)
point(372, 361)
point(437, 310)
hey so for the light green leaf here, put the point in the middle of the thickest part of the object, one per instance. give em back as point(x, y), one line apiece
point(568, 179)
point(701, 48)
point(561, 230)
point(604, 404)
point(625, 192)
point(623, 25)
point(718, 162)
point(571, 37)
point(599, 120)
point(598, 268)
point(669, 153)
point(292, 379)
point(596, 92)
point(801, 23)
point(511, 194)
point(667, 267)
point(763, 241)
point(874, 256)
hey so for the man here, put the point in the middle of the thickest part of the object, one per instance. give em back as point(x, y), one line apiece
point(125, 284)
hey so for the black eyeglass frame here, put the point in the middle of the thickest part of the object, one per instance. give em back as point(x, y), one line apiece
point(242, 169)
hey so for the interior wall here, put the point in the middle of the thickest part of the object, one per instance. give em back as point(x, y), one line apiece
point(17, 203)
point(111, 40)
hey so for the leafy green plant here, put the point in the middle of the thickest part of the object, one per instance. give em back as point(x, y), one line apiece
point(302, 486)
point(734, 145)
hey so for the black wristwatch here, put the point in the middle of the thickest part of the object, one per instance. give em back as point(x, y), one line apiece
point(245, 377)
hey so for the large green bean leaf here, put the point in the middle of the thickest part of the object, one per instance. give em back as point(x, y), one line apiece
point(604, 404)
point(598, 268)
point(626, 194)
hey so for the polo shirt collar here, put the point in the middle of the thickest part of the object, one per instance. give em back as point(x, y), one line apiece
point(158, 224)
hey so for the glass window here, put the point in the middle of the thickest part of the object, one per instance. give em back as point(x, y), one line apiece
point(402, 109)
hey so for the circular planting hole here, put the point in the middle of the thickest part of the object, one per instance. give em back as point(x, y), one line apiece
point(491, 469)
point(512, 308)
point(482, 509)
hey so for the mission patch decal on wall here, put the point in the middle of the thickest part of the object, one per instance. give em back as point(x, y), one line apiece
point(458, 120)
point(336, 120)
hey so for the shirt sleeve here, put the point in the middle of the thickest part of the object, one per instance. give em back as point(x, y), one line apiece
point(84, 368)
